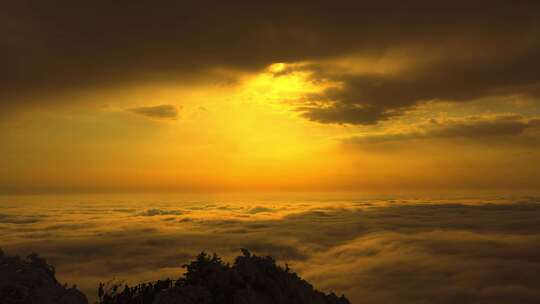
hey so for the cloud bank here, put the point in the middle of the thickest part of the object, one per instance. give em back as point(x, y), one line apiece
point(388, 251)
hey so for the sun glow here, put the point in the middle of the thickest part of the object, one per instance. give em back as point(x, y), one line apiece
point(249, 134)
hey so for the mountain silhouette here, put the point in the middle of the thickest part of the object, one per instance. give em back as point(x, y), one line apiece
point(33, 281)
point(250, 279)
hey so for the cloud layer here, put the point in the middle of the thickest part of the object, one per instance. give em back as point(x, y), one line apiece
point(389, 251)
point(159, 112)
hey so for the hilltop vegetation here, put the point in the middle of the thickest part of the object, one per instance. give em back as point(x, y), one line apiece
point(33, 281)
point(250, 279)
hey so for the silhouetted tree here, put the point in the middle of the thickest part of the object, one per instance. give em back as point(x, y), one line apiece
point(208, 280)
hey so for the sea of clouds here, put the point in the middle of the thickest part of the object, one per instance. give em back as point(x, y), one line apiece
point(459, 250)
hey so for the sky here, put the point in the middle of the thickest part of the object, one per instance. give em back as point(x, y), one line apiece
point(387, 150)
point(209, 96)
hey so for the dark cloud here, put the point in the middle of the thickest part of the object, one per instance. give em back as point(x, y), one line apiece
point(159, 112)
point(169, 219)
point(18, 219)
point(70, 226)
point(260, 209)
point(154, 212)
point(452, 76)
point(50, 48)
point(347, 114)
point(477, 128)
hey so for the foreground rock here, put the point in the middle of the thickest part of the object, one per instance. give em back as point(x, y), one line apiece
point(33, 281)
point(250, 280)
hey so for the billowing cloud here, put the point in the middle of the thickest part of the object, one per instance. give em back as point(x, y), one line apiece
point(159, 112)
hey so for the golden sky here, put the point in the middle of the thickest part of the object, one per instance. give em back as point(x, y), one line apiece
point(269, 98)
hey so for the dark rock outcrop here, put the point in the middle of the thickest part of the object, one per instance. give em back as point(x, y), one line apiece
point(33, 281)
